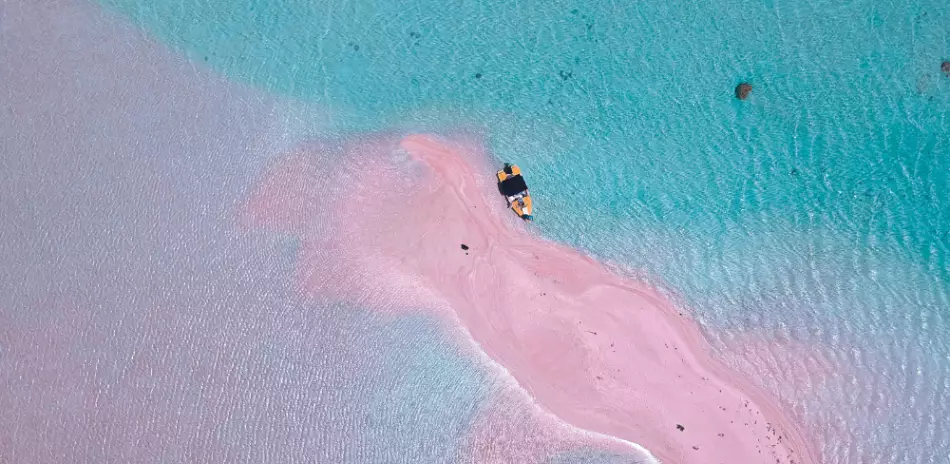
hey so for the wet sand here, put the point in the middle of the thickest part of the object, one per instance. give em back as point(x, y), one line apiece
point(383, 224)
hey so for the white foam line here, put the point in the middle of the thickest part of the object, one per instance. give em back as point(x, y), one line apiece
point(516, 386)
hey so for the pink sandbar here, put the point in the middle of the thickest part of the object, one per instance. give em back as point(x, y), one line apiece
point(599, 351)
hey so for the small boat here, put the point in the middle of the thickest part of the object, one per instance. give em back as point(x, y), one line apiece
point(512, 186)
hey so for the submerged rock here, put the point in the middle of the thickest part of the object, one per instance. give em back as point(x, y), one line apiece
point(945, 67)
point(743, 90)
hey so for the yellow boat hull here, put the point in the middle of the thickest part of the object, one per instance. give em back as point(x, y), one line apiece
point(519, 202)
point(523, 208)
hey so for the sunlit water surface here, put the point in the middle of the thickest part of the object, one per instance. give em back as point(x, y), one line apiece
point(807, 227)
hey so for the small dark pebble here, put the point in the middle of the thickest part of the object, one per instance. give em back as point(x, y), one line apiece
point(743, 90)
point(680, 427)
point(945, 67)
point(464, 246)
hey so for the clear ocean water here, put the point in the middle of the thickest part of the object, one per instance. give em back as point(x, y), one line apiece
point(808, 228)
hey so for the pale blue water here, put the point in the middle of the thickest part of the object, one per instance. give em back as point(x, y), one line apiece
point(817, 211)
point(589, 456)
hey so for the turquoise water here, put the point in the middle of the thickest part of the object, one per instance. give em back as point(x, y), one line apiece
point(815, 212)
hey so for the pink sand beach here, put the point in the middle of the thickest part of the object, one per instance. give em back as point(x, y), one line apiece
point(595, 349)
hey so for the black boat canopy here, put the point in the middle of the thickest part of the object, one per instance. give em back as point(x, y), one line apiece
point(513, 185)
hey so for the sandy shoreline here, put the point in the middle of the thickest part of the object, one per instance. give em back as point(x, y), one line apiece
point(600, 352)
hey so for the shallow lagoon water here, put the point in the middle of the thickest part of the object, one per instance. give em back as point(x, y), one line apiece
point(813, 216)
